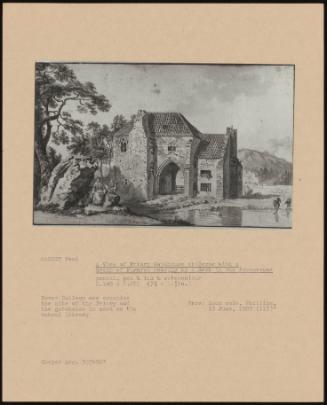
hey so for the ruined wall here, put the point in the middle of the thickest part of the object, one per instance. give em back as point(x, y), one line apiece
point(120, 159)
point(129, 167)
point(151, 152)
point(138, 159)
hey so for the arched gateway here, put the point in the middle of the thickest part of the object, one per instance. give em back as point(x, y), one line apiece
point(163, 153)
point(170, 179)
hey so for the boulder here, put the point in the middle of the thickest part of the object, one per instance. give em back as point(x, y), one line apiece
point(69, 185)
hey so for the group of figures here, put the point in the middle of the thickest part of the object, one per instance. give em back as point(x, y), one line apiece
point(277, 203)
point(102, 195)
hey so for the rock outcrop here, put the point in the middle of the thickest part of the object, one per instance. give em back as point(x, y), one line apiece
point(69, 185)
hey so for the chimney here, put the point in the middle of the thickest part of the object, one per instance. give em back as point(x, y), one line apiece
point(232, 133)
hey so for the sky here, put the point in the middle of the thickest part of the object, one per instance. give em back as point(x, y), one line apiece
point(256, 100)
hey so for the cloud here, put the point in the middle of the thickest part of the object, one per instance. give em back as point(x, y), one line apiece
point(256, 99)
point(155, 89)
point(225, 84)
point(280, 146)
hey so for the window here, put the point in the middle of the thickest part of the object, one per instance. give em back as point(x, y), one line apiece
point(171, 148)
point(206, 187)
point(206, 174)
point(123, 146)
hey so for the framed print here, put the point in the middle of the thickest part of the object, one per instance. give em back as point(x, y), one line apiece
point(163, 202)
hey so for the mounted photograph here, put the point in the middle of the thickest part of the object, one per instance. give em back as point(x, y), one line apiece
point(140, 144)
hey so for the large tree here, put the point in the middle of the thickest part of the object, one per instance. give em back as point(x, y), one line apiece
point(118, 122)
point(57, 92)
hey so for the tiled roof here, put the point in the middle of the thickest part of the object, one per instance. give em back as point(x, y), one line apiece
point(175, 124)
point(170, 124)
point(215, 147)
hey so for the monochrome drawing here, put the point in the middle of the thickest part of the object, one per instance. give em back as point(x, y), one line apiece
point(163, 144)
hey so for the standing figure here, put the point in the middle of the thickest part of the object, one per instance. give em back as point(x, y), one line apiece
point(276, 203)
point(98, 193)
point(288, 203)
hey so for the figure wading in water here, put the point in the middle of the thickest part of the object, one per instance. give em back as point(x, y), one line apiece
point(288, 203)
point(277, 203)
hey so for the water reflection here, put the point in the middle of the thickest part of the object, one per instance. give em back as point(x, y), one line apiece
point(276, 216)
point(231, 216)
point(225, 216)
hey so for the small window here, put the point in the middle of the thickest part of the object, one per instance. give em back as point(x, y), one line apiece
point(206, 174)
point(171, 148)
point(123, 146)
point(206, 187)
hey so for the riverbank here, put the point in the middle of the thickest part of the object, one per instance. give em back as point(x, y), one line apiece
point(255, 210)
point(56, 218)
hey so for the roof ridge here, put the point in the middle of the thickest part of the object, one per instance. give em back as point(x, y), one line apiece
point(162, 112)
point(215, 147)
point(212, 134)
point(191, 126)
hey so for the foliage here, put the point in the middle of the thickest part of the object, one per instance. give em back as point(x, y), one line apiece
point(54, 157)
point(56, 85)
point(94, 142)
point(118, 122)
point(58, 92)
point(80, 144)
point(101, 139)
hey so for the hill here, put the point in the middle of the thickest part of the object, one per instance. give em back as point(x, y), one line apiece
point(265, 168)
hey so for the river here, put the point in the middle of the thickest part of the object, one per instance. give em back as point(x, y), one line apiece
point(225, 216)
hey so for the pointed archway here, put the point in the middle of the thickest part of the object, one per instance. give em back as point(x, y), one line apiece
point(167, 179)
point(170, 178)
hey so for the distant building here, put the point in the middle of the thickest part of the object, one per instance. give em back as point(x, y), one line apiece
point(163, 153)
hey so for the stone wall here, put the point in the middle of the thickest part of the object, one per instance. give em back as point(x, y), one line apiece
point(232, 141)
point(216, 181)
point(136, 172)
point(129, 169)
point(177, 149)
point(220, 179)
point(209, 165)
point(195, 150)
point(233, 189)
point(226, 164)
point(239, 179)
point(138, 159)
point(232, 167)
